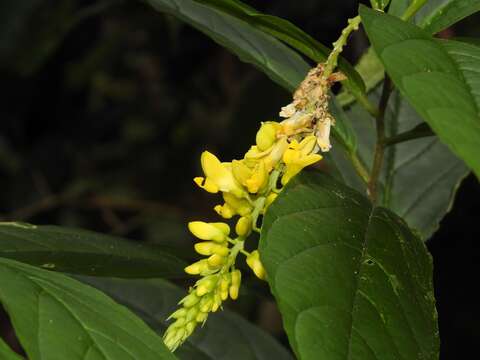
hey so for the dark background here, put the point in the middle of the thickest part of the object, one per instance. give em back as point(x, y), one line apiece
point(107, 105)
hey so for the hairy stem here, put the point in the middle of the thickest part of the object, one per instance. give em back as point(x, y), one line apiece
point(380, 144)
point(338, 45)
point(413, 9)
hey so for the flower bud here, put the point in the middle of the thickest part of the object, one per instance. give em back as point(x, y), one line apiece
point(201, 317)
point(197, 267)
point(253, 261)
point(270, 199)
point(206, 304)
point(191, 313)
point(225, 281)
point(217, 301)
point(182, 312)
point(224, 294)
point(209, 231)
point(235, 286)
point(205, 285)
point(189, 300)
point(215, 261)
point(189, 327)
point(266, 136)
point(224, 211)
point(210, 247)
point(244, 226)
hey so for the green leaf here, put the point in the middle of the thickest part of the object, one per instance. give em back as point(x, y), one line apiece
point(351, 280)
point(371, 70)
point(439, 78)
point(6, 353)
point(225, 335)
point(422, 204)
point(282, 65)
point(84, 252)
point(468, 40)
point(254, 46)
point(437, 15)
point(56, 317)
point(288, 33)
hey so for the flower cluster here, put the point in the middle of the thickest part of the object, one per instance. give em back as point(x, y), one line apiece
point(248, 186)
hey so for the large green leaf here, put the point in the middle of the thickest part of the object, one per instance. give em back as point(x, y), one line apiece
point(56, 317)
point(290, 34)
point(252, 45)
point(224, 336)
point(421, 203)
point(351, 280)
point(439, 78)
point(6, 353)
point(437, 15)
point(85, 252)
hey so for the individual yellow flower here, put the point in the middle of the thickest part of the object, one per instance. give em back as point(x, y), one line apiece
point(298, 156)
point(267, 135)
point(218, 176)
point(243, 226)
point(253, 261)
point(253, 178)
point(209, 231)
point(270, 157)
point(233, 206)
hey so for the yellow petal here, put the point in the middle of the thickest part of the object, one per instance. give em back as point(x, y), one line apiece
point(206, 231)
point(219, 174)
point(258, 179)
point(244, 226)
point(253, 261)
point(267, 135)
point(206, 184)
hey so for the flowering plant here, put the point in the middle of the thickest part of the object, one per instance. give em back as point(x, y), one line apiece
point(340, 245)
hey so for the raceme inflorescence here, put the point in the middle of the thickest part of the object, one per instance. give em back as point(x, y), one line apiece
point(248, 187)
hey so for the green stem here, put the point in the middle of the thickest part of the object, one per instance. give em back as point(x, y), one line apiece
point(359, 167)
point(413, 9)
point(363, 100)
point(338, 45)
point(420, 131)
point(380, 144)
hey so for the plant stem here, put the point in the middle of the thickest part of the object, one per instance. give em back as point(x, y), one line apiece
point(413, 9)
point(359, 167)
point(364, 101)
point(380, 144)
point(338, 45)
point(420, 131)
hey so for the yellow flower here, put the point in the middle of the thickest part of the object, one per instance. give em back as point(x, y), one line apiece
point(298, 156)
point(236, 278)
point(209, 231)
point(210, 247)
point(244, 226)
point(253, 261)
point(233, 206)
point(271, 157)
point(218, 176)
point(267, 135)
point(253, 178)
